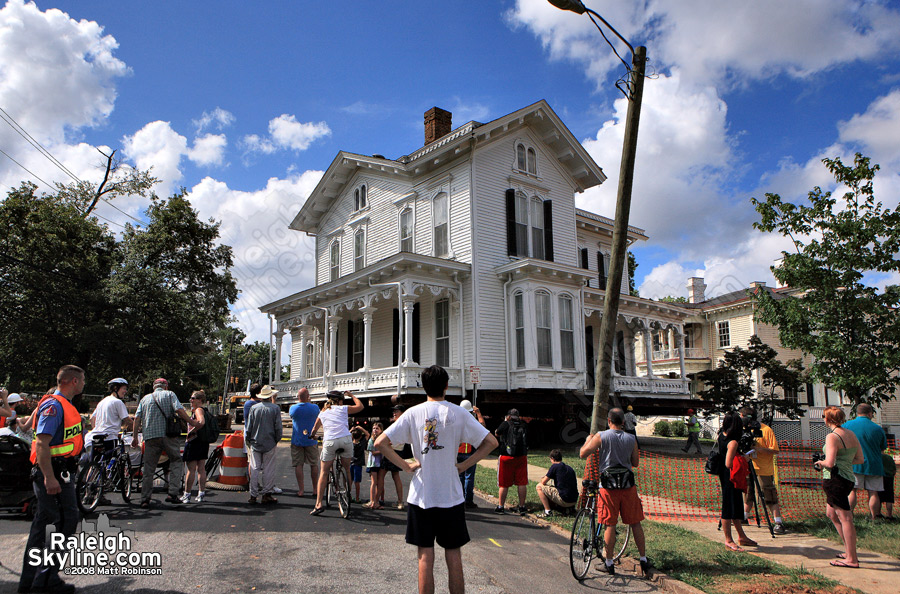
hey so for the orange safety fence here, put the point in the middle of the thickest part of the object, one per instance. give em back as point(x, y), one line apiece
point(677, 487)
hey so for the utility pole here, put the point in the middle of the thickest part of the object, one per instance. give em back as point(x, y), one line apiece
point(634, 92)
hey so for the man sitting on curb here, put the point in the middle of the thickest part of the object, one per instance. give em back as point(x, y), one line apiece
point(563, 493)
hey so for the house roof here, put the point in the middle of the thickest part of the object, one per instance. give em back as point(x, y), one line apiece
point(603, 225)
point(736, 297)
point(572, 157)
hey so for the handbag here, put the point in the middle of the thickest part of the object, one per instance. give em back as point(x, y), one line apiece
point(174, 427)
point(616, 478)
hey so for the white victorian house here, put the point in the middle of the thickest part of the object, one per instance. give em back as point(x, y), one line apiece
point(469, 251)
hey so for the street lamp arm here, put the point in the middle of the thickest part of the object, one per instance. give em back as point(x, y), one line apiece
point(591, 13)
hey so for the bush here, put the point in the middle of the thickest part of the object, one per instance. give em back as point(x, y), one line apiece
point(662, 428)
point(679, 428)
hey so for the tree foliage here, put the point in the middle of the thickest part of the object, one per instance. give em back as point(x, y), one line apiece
point(146, 304)
point(632, 266)
point(849, 326)
point(733, 383)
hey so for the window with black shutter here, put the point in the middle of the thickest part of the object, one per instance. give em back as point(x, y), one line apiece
point(602, 269)
point(511, 247)
point(584, 259)
point(548, 230)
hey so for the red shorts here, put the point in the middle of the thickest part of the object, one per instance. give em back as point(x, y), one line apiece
point(611, 503)
point(512, 471)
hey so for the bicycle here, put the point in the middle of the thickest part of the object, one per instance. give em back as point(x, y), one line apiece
point(338, 487)
point(108, 470)
point(587, 535)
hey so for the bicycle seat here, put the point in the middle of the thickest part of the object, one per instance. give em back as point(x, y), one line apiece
point(339, 451)
point(588, 484)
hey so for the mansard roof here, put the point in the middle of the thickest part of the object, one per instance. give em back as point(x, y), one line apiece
point(572, 157)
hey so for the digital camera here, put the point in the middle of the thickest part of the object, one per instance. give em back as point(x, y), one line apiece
point(817, 457)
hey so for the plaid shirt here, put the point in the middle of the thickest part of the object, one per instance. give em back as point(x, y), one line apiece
point(153, 420)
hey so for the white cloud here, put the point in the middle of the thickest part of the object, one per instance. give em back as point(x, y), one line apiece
point(158, 146)
point(218, 118)
point(208, 150)
point(285, 132)
point(271, 261)
point(878, 129)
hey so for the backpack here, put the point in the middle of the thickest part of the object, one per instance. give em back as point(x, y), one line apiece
point(715, 461)
point(515, 444)
point(210, 430)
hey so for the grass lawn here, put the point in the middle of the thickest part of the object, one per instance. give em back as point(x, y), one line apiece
point(691, 558)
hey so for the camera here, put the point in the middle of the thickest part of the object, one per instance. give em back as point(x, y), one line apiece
point(752, 431)
point(817, 457)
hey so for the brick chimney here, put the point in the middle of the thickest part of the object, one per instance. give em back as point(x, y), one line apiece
point(438, 123)
point(696, 290)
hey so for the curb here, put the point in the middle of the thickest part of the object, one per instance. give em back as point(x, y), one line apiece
point(661, 580)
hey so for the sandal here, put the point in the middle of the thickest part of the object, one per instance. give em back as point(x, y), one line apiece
point(733, 547)
point(841, 556)
point(317, 511)
point(842, 563)
point(747, 543)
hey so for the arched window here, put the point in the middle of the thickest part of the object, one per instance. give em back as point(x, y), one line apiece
point(310, 360)
point(542, 321)
point(406, 230)
point(519, 305)
point(441, 216)
point(532, 161)
point(335, 263)
point(442, 333)
point(537, 228)
point(360, 197)
point(566, 332)
point(526, 159)
point(359, 249)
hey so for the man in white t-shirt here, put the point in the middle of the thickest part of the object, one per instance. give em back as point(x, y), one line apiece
point(109, 414)
point(436, 509)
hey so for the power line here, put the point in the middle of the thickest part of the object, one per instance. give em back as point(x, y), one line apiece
point(34, 175)
point(37, 145)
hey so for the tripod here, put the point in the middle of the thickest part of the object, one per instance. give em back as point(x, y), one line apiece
point(759, 500)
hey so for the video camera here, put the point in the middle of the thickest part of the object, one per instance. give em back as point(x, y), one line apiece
point(817, 457)
point(752, 431)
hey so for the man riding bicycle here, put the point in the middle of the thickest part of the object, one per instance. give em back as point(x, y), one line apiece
point(334, 420)
point(107, 418)
point(618, 493)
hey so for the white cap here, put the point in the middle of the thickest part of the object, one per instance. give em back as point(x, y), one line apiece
point(13, 398)
point(466, 405)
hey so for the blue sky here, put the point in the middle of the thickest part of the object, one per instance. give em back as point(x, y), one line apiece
point(245, 104)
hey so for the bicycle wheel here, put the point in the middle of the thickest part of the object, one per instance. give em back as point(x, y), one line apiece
point(213, 463)
point(124, 473)
point(89, 487)
point(623, 537)
point(581, 543)
point(329, 487)
point(342, 492)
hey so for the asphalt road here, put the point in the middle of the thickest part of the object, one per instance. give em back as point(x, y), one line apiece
point(227, 545)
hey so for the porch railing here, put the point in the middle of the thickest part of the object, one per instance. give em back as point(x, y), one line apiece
point(364, 380)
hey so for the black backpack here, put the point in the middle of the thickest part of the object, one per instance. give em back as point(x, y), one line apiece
point(210, 430)
point(715, 461)
point(515, 442)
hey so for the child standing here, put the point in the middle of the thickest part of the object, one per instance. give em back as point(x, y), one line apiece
point(887, 495)
point(373, 465)
point(360, 437)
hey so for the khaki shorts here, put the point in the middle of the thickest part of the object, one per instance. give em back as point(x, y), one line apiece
point(331, 446)
point(767, 483)
point(304, 455)
point(552, 494)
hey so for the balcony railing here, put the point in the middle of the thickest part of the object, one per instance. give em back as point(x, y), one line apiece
point(364, 380)
point(651, 385)
point(664, 355)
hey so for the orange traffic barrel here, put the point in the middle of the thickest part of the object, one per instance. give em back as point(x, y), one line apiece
point(234, 461)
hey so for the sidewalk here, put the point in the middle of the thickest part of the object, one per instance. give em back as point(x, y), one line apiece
point(877, 574)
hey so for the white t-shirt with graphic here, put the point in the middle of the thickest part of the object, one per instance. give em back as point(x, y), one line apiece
point(108, 417)
point(435, 429)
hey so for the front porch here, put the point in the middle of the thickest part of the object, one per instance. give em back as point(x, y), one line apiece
point(366, 383)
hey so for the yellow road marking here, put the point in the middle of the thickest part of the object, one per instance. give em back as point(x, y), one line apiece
point(495, 542)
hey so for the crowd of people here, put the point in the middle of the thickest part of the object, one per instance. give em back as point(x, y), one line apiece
point(439, 443)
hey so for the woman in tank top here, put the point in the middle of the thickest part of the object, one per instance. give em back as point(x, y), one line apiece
point(842, 451)
point(732, 498)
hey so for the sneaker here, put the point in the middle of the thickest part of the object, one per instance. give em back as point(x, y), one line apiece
point(252, 500)
point(200, 496)
point(645, 569)
point(779, 528)
point(499, 510)
point(186, 498)
point(277, 491)
point(546, 514)
point(268, 499)
point(400, 506)
point(522, 510)
point(610, 569)
point(471, 505)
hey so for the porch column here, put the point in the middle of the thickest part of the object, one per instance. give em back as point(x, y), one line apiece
point(408, 329)
point(333, 322)
point(648, 349)
point(304, 336)
point(671, 343)
point(279, 336)
point(679, 340)
point(368, 312)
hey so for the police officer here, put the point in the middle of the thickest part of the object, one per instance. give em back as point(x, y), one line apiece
point(54, 455)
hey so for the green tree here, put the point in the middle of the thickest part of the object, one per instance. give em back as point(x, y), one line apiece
point(733, 383)
point(671, 299)
point(849, 326)
point(632, 266)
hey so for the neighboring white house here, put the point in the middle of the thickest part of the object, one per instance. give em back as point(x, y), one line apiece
point(469, 251)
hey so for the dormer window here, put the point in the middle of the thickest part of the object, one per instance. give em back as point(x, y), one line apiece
point(526, 159)
point(360, 197)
